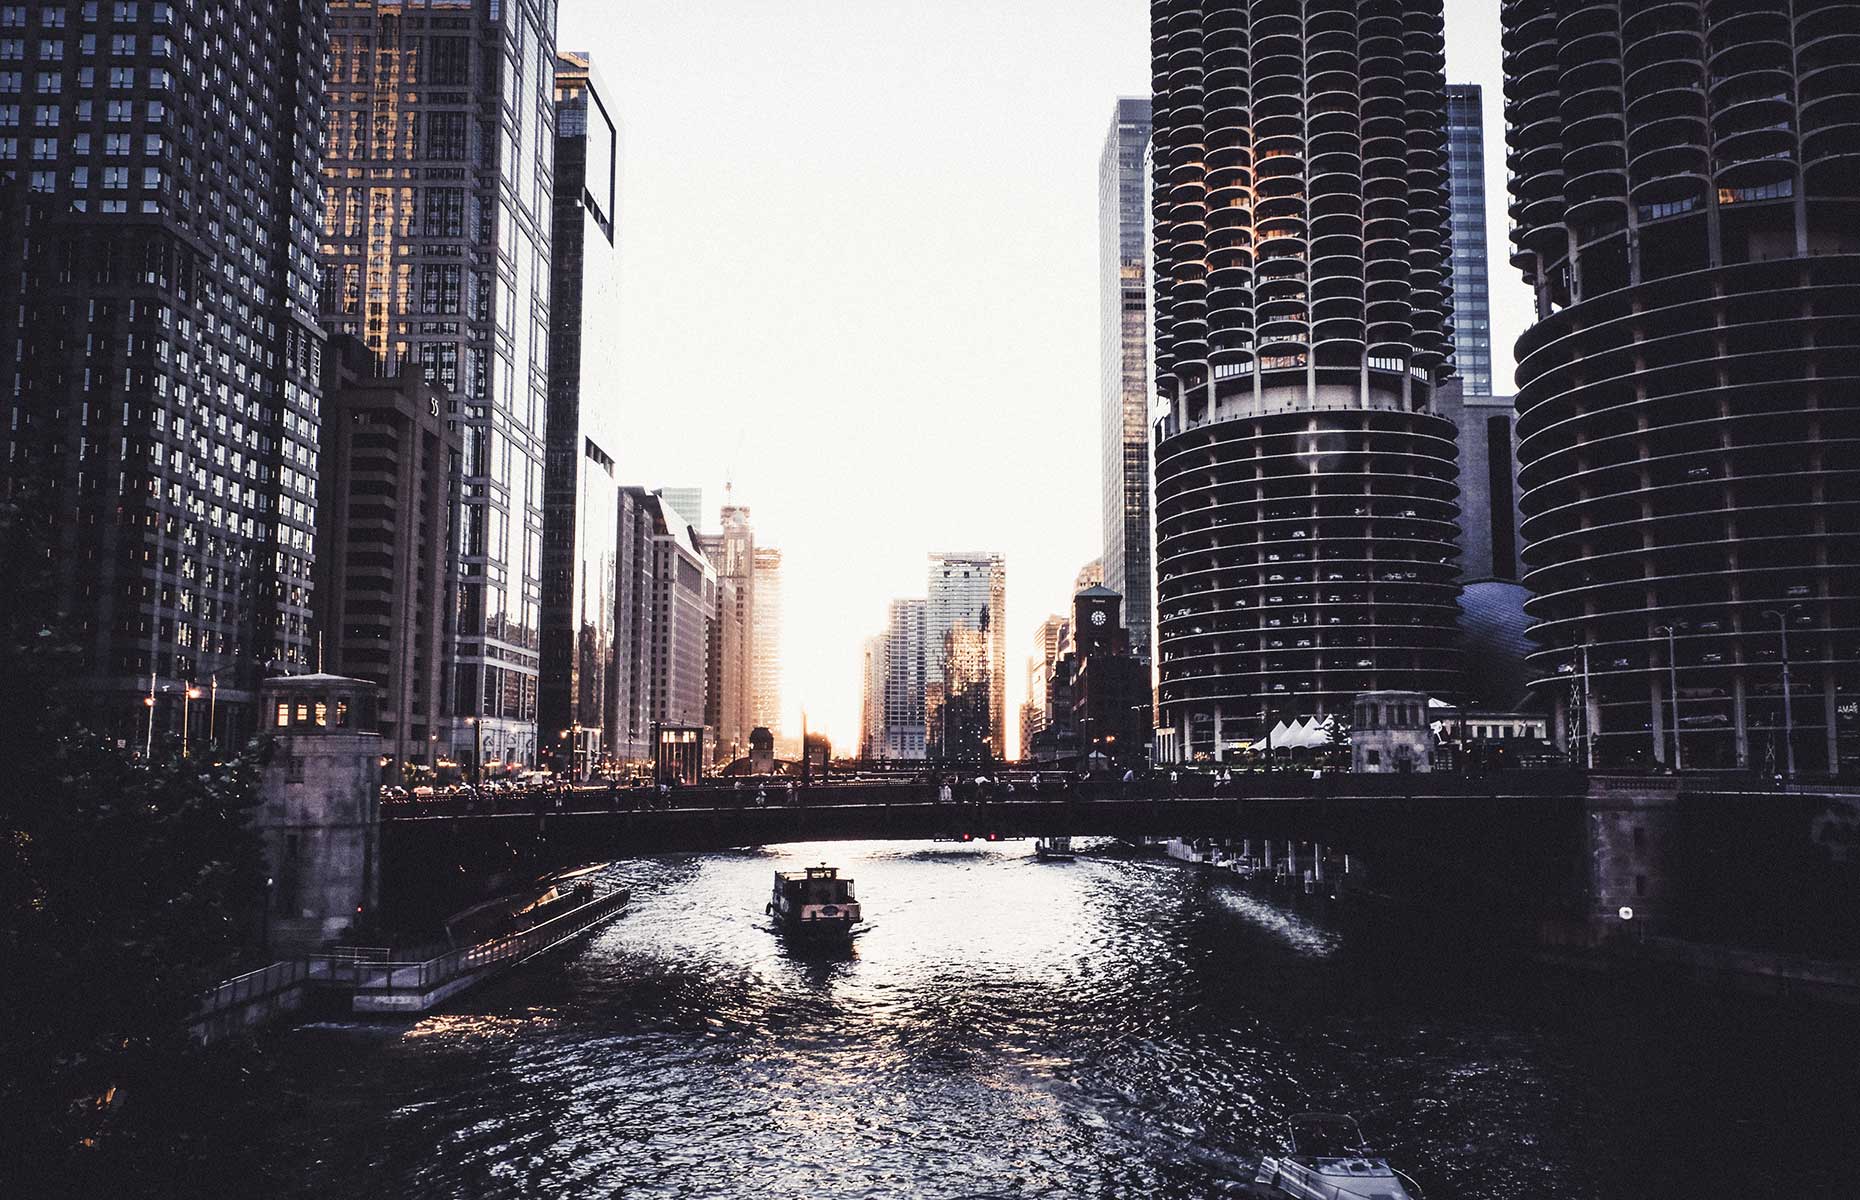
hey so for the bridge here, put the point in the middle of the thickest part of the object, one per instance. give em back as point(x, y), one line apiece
point(1503, 838)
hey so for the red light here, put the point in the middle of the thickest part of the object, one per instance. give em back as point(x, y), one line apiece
point(968, 837)
point(994, 837)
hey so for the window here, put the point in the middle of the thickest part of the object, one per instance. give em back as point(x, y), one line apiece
point(284, 714)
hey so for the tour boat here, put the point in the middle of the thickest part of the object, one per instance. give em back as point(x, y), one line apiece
point(1053, 849)
point(816, 902)
point(1328, 1160)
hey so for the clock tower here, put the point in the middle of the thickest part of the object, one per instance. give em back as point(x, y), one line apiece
point(1098, 623)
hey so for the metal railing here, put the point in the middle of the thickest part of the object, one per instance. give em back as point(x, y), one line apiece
point(365, 975)
point(273, 980)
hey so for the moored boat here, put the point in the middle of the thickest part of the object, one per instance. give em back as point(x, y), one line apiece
point(815, 902)
point(1053, 849)
point(1329, 1160)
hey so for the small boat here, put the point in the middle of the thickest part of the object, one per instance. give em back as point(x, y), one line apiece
point(1329, 1160)
point(1053, 849)
point(815, 902)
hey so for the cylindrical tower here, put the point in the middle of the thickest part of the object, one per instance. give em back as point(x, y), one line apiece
point(1686, 202)
point(1305, 490)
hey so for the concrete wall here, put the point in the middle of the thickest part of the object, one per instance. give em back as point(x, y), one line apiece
point(320, 824)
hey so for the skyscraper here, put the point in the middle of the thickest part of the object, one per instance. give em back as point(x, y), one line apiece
point(765, 705)
point(1686, 203)
point(684, 603)
point(1304, 486)
point(732, 554)
point(580, 492)
point(1124, 407)
point(629, 731)
point(158, 345)
point(436, 231)
point(872, 697)
point(967, 592)
point(689, 502)
point(1471, 297)
point(904, 680)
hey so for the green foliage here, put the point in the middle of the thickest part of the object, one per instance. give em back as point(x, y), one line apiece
point(125, 887)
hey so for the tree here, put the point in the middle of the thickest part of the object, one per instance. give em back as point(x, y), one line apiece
point(124, 888)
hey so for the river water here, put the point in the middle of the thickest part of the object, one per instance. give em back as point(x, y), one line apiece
point(1114, 1026)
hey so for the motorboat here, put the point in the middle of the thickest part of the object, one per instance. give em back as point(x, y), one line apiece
point(815, 902)
point(1053, 849)
point(1328, 1159)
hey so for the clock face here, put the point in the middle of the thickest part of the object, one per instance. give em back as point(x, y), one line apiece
point(1097, 618)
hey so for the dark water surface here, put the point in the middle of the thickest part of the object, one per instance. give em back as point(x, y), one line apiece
point(1108, 1027)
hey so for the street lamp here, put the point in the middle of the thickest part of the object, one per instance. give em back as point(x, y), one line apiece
point(148, 744)
point(188, 696)
point(1672, 670)
point(213, 708)
point(1782, 627)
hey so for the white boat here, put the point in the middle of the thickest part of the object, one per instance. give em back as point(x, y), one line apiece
point(1329, 1160)
point(815, 902)
point(1053, 849)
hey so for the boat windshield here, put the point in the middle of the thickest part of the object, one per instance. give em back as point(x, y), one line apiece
point(1327, 1135)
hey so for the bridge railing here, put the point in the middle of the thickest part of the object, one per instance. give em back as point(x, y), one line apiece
point(366, 975)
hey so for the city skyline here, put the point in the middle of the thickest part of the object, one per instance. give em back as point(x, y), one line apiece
point(1019, 412)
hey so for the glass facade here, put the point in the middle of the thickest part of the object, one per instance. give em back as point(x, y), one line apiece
point(1123, 215)
point(436, 250)
point(158, 344)
point(1472, 303)
point(576, 696)
point(904, 681)
point(967, 592)
point(766, 709)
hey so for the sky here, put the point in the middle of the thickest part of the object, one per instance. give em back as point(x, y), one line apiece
point(859, 281)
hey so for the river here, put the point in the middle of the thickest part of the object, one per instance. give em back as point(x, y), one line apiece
point(1113, 1026)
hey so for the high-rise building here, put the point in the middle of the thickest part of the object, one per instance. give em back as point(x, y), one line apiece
point(765, 650)
point(732, 554)
point(158, 343)
point(629, 732)
point(1049, 645)
point(969, 592)
point(1685, 200)
point(1468, 282)
point(1304, 485)
point(1487, 431)
point(905, 667)
point(684, 604)
point(689, 502)
point(379, 601)
point(436, 250)
point(872, 697)
point(1124, 335)
point(580, 492)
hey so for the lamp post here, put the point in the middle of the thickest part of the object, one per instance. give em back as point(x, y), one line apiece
point(148, 743)
point(213, 709)
point(189, 694)
point(1672, 671)
point(1782, 628)
point(1588, 731)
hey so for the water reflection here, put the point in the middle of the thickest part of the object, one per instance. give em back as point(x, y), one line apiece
point(1111, 1026)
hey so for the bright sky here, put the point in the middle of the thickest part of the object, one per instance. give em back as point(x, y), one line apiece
point(860, 278)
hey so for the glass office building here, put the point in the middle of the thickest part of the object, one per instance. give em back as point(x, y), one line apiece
point(1471, 297)
point(437, 190)
point(580, 491)
point(1123, 234)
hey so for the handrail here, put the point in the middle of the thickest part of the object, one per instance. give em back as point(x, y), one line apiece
point(423, 976)
point(264, 981)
